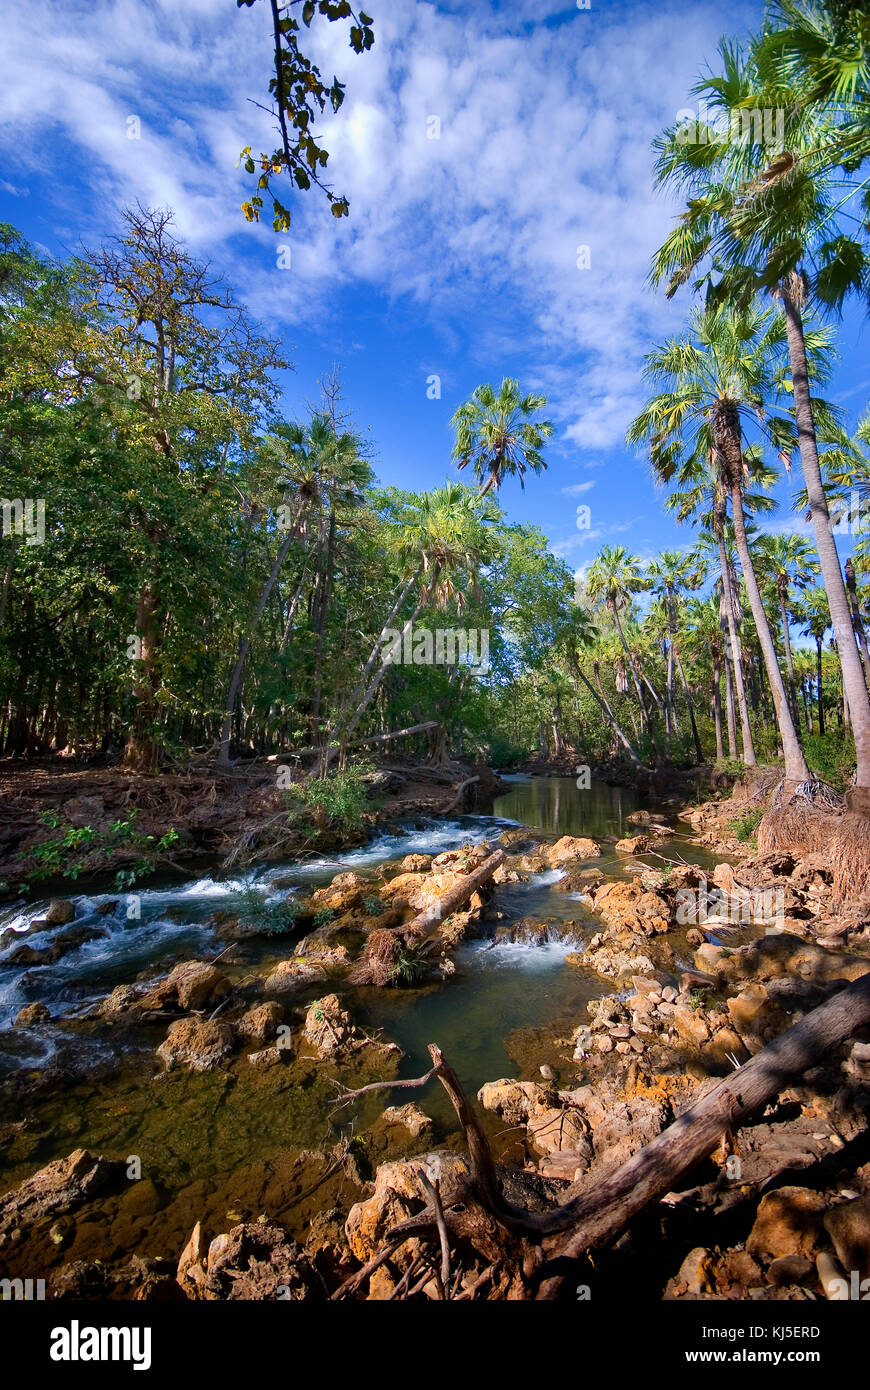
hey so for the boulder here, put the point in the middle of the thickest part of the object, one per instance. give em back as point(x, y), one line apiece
point(848, 1225)
point(788, 1222)
point(410, 1116)
point(30, 1014)
point(398, 1193)
point(554, 1130)
point(572, 847)
point(261, 1022)
point(513, 1100)
point(633, 844)
point(298, 971)
point(57, 1188)
point(60, 911)
point(196, 1043)
point(194, 983)
point(255, 1262)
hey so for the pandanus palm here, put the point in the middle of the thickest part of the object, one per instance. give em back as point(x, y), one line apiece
point(319, 466)
point(718, 379)
point(441, 546)
point(767, 209)
point(675, 573)
point(790, 562)
point(499, 435)
point(615, 577)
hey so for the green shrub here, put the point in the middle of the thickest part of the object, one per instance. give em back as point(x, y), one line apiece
point(340, 798)
point(270, 918)
point(743, 827)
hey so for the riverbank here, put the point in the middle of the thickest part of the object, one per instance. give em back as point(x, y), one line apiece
point(664, 971)
point(62, 824)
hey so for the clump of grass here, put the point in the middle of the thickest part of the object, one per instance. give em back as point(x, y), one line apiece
point(373, 906)
point(743, 827)
point(323, 917)
point(337, 801)
point(272, 919)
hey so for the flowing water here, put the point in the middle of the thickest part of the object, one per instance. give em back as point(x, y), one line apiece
point(223, 1138)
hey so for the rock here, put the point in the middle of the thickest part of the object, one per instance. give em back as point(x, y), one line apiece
point(62, 945)
point(792, 1269)
point(788, 1222)
point(329, 1027)
point(196, 1043)
point(633, 844)
point(57, 1188)
point(848, 1225)
point(84, 810)
point(255, 1262)
point(346, 891)
point(696, 1272)
point(571, 847)
point(398, 1192)
point(691, 1025)
point(411, 1116)
point(297, 971)
point(554, 1130)
point(513, 1100)
point(122, 998)
point(708, 956)
point(546, 1072)
point(416, 863)
point(267, 1057)
point(261, 1022)
point(194, 984)
point(755, 1017)
point(30, 1014)
point(60, 911)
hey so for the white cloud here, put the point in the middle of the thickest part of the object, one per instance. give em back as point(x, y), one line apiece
point(577, 488)
point(544, 147)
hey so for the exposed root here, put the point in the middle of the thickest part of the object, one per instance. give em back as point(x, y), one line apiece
point(379, 962)
point(801, 817)
point(850, 858)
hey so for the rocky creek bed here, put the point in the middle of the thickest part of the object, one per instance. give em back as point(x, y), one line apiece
point(175, 1123)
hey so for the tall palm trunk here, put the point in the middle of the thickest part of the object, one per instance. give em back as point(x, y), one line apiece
point(611, 718)
point(829, 561)
point(858, 621)
point(690, 707)
point(782, 590)
point(717, 707)
point(245, 642)
point(644, 708)
point(736, 668)
point(726, 429)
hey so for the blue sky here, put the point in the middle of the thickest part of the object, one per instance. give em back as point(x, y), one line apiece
point(460, 255)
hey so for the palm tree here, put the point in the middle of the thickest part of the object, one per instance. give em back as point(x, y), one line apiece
point(318, 464)
point(766, 217)
point(441, 546)
point(789, 561)
point(717, 378)
point(814, 615)
point(615, 576)
point(498, 435)
point(673, 573)
point(706, 638)
point(581, 635)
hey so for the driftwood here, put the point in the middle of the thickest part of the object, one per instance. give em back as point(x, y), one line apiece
point(604, 1207)
point(380, 960)
point(460, 791)
point(458, 896)
point(358, 742)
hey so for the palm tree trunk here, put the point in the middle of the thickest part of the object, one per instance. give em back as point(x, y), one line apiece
point(245, 642)
point(789, 659)
point(685, 684)
point(611, 719)
point(717, 709)
point(796, 769)
point(856, 616)
point(730, 715)
point(637, 685)
point(749, 757)
point(821, 698)
point(829, 561)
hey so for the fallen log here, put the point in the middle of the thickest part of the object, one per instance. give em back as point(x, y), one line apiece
point(460, 791)
point(458, 896)
point(357, 742)
point(606, 1205)
point(601, 1211)
point(379, 961)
